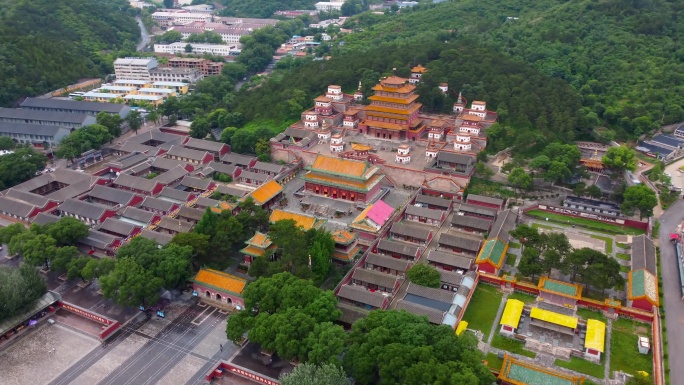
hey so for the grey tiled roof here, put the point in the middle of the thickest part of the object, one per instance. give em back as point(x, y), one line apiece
point(424, 212)
point(231, 190)
point(460, 241)
point(223, 168)
point(433, 315)
point(44, 218)
point(98, 239)
point(451, 259)
point(203, 202)
point(440, 295)
point(403, 248)
point(51, 116)
point(196, 183)
point(475, 209)
point(83, 209)
point(450, 277)
point(238, 159)
point(411, 230)
point(129, 160)
point(157, 204)
point(174, 194)
point(116, 226)
point(186, 153)
point(136, 214)
point(25, 196)
point(643, 254)
point(361, 295)
point(434, 201)
point(15, 207)
point(189, 212)
point(484, 199)
point(135, 182)
point(481, 224)
point(171, 176)
point(73, 105)
point(504, 224)
point(34, 129)
point(254, 176)
point(204, 145)
point(375, 277)
point(269, 167)
point(387, 262)
point(105, 193)
point(160, 238)
point(174, 224)
point(166, 164)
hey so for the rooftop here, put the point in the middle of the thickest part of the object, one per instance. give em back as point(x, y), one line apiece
point(520, 372)
point(512, 312)
point(494, 250)
point(266, 192)
point(73, 105)
point(306, 222)
point(220, 280)
point(558, 287)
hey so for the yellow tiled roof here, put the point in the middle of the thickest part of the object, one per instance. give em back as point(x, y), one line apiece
point(346, 256)
point(224, 206)
point(339, 166)
point(259, 240)
point(361, 147)
point(419, 68)
point(304, 221)
point(332, 180)
point(266, 191)
point(385, 125)
point(221, 280)
point(512, 312)
point(253, 251)
point(596, 335)
point(554, 318)
point(343, 236)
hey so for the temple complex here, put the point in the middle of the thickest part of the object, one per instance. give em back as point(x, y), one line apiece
point(343, 179)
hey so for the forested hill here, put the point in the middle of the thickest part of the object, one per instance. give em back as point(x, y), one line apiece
point(47, 44)
point(262, 8)
point(625, 57)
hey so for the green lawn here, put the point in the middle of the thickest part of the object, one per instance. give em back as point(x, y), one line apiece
point(582, 366)
point(510, 259)
point(513, 245)
point(586, 223)
point(624, 355)
point(587, 314)
point(623, 245)
point(525, 298)
point(624, 256)
point(493, 361)
point(539, 226)
point(608, 241)
point(625, 269)
point(482, 308)
point(511, 345)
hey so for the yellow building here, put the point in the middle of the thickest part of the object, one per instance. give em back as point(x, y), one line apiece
point(120, 90)
point(163, 92)
point(154, 100)
point(104, 97)
point(179, 87)
point(132, 83)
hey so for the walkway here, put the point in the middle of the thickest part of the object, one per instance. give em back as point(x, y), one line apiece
point(144, 36)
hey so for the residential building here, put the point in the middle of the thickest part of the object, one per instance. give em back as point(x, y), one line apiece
point(266, 195)
point(459, 242)
point(188, 75)
point(24, 206)
point(178, 17)
point(104, 97)
point(188, 155)
point(137, 84)
point(48, 118)
point(116, 89)
point(205, 66)
point(34, 134)
point(329, 6)
point(485, 201)
point(154, 100)
point(134, 68)
point(112, 197)
point(164, 92)
point(88, 213)
point(74, 106)
point(197, 48)
point(180, 87)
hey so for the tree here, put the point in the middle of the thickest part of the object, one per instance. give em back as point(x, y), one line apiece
point(63, 257)
point(7, 233)
point(227, 134)
point(263, 150)
point(168, 4)
point(603, 274)
point(620, 159)
point(188, 48)
point(169, 37)
point(20, 166)
point(520, 179)
point(130, 284)
point(311, 374)
point(527, 235)
point(84, 139)
point(198, 242)
point(259, 267)
point(174, 265)
point(76, 266)
point(153, 116)
point(95, 268)
point(424, 275)
point(530, 264)
point(552, 260)
point(39, 249)
point(540, 163)
point(639, 197)
point(134, 120)
point(482, 171)
point(594, 191)
point(638, 379)
point(243, 141)
point(397, 347)
point(112, 122)
point(200, 128)
point(6, 143)
point(67, 231)
point(19, 288)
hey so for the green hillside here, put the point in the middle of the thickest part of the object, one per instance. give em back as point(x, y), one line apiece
point(47, 44)
point(625, 58)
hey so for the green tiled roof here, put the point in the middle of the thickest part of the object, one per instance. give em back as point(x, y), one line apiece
point(494, 250)
point(638, 288)
point(560, 287)
point(533, 377)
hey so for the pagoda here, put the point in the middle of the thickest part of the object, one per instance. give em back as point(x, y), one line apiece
point(393, 112)
point(345, 179)
point(257, 246)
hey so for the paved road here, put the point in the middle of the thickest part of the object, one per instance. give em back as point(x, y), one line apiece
point(144, 36)
point(149, 364)
point(674, 306)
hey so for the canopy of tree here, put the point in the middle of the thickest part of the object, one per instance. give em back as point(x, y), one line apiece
point(48, 44)
point(142, 270)
point(309, 374)
point(639, 197)
point(20, 166)
point(84, 139)
point(397, 347)
point(262, 8)
point(424, 275)
point(19, 287)
point(547, 35)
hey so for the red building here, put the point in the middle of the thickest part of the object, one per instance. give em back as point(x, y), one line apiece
point(343, 179)
point(393, 112)
point(217, 287)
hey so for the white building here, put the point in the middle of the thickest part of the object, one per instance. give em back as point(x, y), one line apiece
point(229, 35)
point(199, 8)
point(179, 47)
point(329, 6)
point(134, 68)
point(178, 17)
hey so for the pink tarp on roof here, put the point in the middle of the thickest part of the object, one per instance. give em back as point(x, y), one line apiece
point(380, 212)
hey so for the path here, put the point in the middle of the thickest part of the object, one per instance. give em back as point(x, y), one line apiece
point(609, 333)
point(674, 308)
point(144, 35)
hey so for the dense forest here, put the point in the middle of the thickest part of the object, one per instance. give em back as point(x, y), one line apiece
point(262, 8)
point(48, 44)
point(621, 56)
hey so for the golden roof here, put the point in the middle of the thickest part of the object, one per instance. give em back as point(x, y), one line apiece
point(304, 221)
point(385, 125)
point(343, 236)
point(332, 180)
point(266, 192)
point(259, 240)
point(224, 206)
point(399, 111)
point(253, 251)
point(394, 80)
point(346, 256)
point(419, 69)
point(221, 280)
point(405, 100)
point(361, 147)
point(340, 166)
point(322, 98)
point(471, 117)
